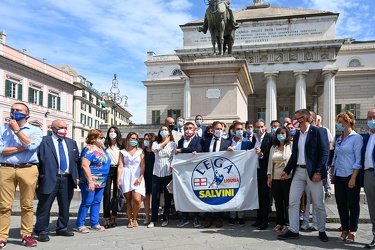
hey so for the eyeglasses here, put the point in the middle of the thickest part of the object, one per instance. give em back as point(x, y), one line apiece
point(299, 117)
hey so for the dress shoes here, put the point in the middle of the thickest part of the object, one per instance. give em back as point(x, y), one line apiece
point(219, 223)
point(43, 238)
point(64, 233)
point(263, 226)
point(207, 223)
point(323, 236)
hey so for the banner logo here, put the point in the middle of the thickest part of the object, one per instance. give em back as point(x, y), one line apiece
point(215, 180)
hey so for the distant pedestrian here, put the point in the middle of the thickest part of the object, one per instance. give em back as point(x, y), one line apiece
point(148, 139)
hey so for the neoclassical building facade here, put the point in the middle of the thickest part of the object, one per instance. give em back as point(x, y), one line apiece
point(294, 59)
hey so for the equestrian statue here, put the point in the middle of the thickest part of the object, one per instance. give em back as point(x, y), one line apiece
point(220, 21)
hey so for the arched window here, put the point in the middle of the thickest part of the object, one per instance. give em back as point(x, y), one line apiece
point(177, 72)
point(355, 63)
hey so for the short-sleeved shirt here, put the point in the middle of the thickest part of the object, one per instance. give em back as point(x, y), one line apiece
point(99, 165)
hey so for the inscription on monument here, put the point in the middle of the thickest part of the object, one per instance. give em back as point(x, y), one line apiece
point(213, 93)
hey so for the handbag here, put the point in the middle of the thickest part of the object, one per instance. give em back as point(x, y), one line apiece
point(117, 202)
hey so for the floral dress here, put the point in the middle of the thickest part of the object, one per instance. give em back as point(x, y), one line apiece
point(99, 165)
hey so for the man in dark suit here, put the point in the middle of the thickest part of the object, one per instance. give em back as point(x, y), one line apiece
point(368, 163)
point(190, 143)
point(262, 142)
point(200, 127)
point(215, 144)
point(308, 162)
point(58, 176)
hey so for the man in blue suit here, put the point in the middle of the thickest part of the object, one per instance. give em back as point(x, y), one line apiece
point(58, 176)
point(190, 143)
point(308, 162)
point(215, 144)
point(200, 127)
point(368, 163)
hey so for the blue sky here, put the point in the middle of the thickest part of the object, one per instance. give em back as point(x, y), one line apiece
point(100, 38)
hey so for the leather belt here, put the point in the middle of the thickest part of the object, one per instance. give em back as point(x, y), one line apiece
point(20, 165)
point(113, 166)
point(63, 175)
point(370, 169)
point(301, 166)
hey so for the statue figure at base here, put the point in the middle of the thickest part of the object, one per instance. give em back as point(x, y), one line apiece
point(220, 21)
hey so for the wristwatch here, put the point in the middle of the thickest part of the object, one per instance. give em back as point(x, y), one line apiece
point(16, 131)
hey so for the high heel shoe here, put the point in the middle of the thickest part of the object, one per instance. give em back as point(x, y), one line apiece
point(113, 221)
point(351, 238)
point(344, 235)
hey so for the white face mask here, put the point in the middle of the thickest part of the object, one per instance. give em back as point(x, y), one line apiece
point(218, 133)
point(112, 135)
point(101, 141)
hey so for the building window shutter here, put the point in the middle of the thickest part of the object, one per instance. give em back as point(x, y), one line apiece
point(40, 98)
point(169, 114)
point(338, 109)
point(357, 111)
point(7, 88)
point(155, 117)
point(58, 102)
point(31, 95)
point(49, 101)
point(19, 92)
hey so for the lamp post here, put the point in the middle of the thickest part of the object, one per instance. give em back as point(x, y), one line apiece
point(116, 97)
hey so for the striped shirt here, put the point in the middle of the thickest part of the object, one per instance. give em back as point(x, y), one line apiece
point(163, 158)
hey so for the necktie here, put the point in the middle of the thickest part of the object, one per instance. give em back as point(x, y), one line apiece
point(214, 148)
point(248, 137)
point(63, 164)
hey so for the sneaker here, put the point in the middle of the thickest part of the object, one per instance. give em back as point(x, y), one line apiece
point(28, 241)
point(241, 221)
point(323, 236)
point(328, 195)
point(197, 222)
point(232, 221)
point(305, 225)
point(289, 235)
point(3, 244)
point(164, 224)
point(183, 222)
point(151, 224)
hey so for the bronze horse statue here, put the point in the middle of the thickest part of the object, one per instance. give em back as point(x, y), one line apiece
point(221, 30)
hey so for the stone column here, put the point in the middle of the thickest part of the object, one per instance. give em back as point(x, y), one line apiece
point(300, 96)
point(329, 100)
point(187, 98)
point(271, 97)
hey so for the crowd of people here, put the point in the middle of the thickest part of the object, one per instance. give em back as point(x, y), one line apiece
point(298, 162)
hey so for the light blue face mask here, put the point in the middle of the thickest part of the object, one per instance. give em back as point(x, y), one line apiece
point(371, 124)
point(146, 143)
point(273, 130)
point(164, 133)
point(281, 137)
point(133, 143)
point(239, 133)
point(180, 124)
point(339, 127)
point(249, 131)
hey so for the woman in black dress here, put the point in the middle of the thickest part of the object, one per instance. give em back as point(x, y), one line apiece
point(149, 138)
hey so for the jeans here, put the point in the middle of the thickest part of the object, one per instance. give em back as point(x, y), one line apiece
point(347, 200)
point(90, 200)
point(159, 183)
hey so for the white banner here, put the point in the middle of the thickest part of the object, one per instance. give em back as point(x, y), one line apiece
point(215, 182)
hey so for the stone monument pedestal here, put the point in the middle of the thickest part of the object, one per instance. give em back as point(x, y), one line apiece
point(218, 89)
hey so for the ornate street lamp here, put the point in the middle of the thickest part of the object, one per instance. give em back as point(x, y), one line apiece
point(116, 97)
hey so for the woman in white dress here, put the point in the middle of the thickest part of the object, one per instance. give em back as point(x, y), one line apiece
point(131, 168)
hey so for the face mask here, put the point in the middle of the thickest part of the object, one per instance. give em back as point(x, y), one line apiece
point(218, 133)
point(259, 131)
point(371, 124)
point(164, 133)
point(339, 127)
point(273, 130)
point(292, 132)
point(232, 133)
point(295, 123)
point(281, 137)
point(225, 136)
point(112, 135)
point(62, 132)
point(18, 116)
point(189, 132)
point(180, 124)
point(198, 122)
point(171, 127)
point(249, 131)
point(133, 143)
point(146, 143)
point(100, 141)
point(239, 133)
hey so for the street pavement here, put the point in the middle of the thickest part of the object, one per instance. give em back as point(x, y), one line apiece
point(188, 237)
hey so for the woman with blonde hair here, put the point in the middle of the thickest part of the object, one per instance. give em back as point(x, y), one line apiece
point(131, 168)
point(95, 164)
point(345, 169)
